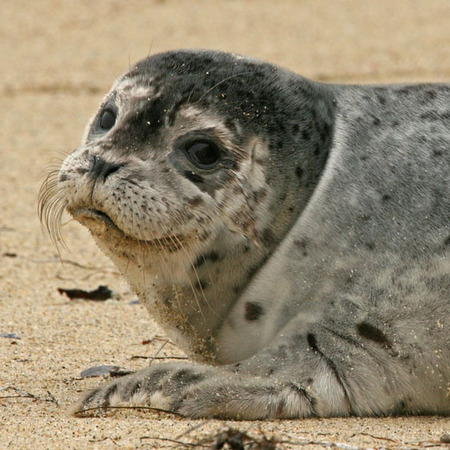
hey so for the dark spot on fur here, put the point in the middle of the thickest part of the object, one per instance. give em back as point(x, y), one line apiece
point(359, 119)
point(401, 407)
point(237, 189)
point(368, 331)
point(385, 197)
point(447, 241)
point(404, 91)
point(299, 172)
point(195, 201)
point(376, 121)
point(253, 311)
point(317, 149)
point(259, 194)
point(195, 178)
point(204, 235)
point(305, 135)
point(381, 99)
point(370, 245)
point(295, 128)
point(431, 94)
point(301, 244)
point(325, 132)
point(200, 285)
point(229, 123)
point(312, 342)
point(268, 237)
point(211, 256)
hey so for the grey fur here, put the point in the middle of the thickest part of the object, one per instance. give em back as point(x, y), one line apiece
point(308, 269)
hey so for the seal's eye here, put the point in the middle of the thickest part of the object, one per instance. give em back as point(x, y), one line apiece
point(107, 119)
point(204, 154)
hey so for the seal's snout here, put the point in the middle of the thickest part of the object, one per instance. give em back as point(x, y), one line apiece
point(101, 169)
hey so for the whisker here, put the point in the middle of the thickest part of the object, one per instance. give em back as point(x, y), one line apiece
point(51, 208)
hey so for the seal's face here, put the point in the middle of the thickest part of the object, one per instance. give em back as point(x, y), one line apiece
point(148, 180)
point(161, 166)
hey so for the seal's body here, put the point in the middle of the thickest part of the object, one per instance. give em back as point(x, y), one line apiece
point(293, 235)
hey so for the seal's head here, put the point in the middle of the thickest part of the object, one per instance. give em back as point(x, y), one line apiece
point(194, 153)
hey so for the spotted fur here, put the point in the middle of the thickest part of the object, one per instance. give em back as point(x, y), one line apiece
point(308, 271)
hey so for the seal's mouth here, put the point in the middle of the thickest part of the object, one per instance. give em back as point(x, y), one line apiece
point(100, 223)
point(85, 215)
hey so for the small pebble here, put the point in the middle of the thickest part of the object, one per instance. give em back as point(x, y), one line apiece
point(10, 336)
point(104, 371)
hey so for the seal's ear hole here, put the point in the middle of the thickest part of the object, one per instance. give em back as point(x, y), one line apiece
point(107, 119)
point(203, 153)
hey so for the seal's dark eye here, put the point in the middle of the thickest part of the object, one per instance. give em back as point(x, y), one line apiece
point(204, 154)
point(107, 119)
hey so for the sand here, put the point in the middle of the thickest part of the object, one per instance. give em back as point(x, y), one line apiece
point(58, 58)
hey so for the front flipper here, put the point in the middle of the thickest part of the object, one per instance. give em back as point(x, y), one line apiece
point(198, 391)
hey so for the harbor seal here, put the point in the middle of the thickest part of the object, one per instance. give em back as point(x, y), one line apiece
point(292, 237)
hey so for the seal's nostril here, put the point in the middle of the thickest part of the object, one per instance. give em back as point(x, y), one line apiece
point(103, 169)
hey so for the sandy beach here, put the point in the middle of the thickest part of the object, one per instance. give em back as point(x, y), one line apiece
point(58, 60)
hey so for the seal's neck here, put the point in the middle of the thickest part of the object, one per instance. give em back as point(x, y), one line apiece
point(191, 297)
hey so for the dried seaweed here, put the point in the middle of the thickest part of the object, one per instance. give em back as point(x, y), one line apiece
point(100, 294)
